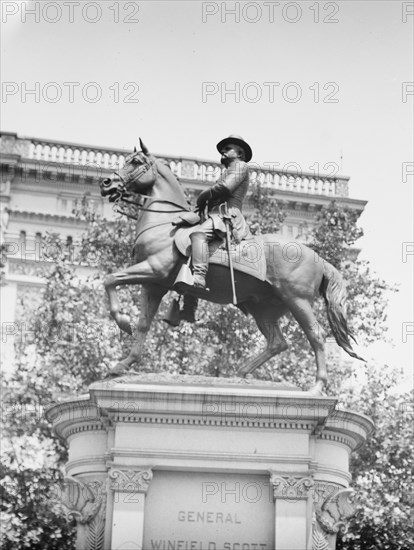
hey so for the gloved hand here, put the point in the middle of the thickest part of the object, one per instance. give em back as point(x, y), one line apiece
point(217, 191)
point(203, 198)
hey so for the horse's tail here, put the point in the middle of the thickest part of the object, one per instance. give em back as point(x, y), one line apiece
point(333, 290)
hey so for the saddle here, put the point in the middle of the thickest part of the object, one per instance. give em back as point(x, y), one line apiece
point(248, 256)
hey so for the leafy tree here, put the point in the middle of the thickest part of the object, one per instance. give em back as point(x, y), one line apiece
point(382, 468)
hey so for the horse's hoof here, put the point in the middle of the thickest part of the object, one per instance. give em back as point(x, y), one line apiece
point(245, 371)
point(118, 370)
point(317, 390)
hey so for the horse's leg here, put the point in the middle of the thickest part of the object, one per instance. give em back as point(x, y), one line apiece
point(150, 299)
point(267, 317)
point(301, 309)
point(136, 274)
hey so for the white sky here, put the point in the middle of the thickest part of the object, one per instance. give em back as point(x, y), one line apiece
point(170, 52)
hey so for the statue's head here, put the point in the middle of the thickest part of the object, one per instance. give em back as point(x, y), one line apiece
point(237, 144)
point(138, 174)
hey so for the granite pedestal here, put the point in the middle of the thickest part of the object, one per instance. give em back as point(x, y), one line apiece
point(207, 464)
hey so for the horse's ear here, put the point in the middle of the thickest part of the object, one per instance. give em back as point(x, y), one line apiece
point(135, 149)
point(144, 149)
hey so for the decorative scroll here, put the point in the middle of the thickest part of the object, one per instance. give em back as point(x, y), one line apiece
point(330, 516)
point(290, 487)
point(336, 510)
point(131, 481)
point(86, 503)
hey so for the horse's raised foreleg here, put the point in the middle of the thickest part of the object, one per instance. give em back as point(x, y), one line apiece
point(267, 317)
point(150, 298)
point(137, 274)
point(301, 309)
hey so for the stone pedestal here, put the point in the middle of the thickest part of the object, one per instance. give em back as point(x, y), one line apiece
point(202, 464)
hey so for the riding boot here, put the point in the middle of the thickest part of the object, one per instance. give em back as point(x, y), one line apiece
point(189, 309)
point(199, 250)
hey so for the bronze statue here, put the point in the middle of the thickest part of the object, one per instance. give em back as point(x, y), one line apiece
point(283, 286)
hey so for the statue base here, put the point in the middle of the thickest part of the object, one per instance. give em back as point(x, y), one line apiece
point(196, 463)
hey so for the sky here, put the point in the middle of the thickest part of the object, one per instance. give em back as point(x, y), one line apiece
point(304, 82)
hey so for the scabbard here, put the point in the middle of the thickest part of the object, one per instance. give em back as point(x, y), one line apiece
point(233, 283)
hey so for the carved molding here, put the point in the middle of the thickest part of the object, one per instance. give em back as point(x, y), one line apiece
point(82, 500)
point(335, 511)
point(10, 144)
point(341, 188)
point(86, 503)
point(319, 537)
point(291, 488)
point(130, 481)
point(331, 515)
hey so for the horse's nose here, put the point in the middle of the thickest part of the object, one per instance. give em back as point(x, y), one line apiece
point(106, 182)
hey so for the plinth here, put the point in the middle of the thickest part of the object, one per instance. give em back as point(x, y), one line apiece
point(195, 463)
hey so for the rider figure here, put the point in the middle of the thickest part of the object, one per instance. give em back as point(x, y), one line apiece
point(231, 188)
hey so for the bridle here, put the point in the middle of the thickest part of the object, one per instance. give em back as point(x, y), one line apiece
point(123, 195)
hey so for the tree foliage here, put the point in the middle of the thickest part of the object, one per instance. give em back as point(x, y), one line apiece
point(75, 342)
point(382, 468)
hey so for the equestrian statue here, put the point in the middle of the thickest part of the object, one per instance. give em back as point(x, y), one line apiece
point(210, 254)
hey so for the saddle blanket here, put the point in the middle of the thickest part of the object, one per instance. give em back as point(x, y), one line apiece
point(248, 256)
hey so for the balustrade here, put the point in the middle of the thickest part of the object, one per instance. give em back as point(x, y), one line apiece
point(184, 168)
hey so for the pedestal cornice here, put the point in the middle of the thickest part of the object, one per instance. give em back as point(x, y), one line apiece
point(245, 406)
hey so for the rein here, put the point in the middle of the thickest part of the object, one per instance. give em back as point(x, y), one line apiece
point(181, 208)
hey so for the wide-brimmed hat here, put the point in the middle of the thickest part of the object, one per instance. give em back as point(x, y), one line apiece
point(237, 140)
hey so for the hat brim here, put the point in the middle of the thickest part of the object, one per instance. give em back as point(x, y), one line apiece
point(245, 146)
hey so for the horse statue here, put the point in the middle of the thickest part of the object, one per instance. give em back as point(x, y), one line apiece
point(288, 286)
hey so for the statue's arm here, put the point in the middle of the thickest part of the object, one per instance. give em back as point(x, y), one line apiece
point(225, 187)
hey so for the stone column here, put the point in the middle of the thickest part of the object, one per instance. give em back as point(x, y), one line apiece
point(129, 488)
point(291, 494)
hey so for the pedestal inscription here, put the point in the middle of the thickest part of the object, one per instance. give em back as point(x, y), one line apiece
point(201, 511)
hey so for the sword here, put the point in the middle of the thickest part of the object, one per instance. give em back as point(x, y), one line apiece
point(225, 214)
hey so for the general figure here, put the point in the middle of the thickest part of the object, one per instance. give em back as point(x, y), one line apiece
point(231, 188)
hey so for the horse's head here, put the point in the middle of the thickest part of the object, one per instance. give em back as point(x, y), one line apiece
point(138, 174)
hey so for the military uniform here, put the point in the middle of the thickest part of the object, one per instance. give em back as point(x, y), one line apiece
point(231, 188)
point(236, 180)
